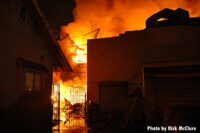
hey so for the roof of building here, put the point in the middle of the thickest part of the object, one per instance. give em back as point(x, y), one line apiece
point(50, 32)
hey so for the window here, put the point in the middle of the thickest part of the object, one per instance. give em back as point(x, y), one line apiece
point(32, 77)
point(33, 81)
point(23, 13)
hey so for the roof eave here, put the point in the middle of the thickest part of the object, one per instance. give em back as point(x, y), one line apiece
point(63, 62)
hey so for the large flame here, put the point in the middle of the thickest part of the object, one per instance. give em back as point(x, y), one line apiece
point(72, 91)
point(111, 18)
point(116, 16)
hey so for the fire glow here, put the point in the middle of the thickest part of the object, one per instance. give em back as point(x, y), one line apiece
point(111, 17)
point(71, 92)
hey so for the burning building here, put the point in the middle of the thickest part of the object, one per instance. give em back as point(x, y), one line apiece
point(162, 61)
point(118, 62)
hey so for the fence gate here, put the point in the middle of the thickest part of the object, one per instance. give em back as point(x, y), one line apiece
point(56, 106)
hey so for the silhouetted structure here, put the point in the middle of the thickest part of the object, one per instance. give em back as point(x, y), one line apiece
point(162, 61)
point(28, 53)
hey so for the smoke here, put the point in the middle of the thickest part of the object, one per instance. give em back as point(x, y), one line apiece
point(191, 5)
point(113, 17)
point(117, 16)
point(194, 7)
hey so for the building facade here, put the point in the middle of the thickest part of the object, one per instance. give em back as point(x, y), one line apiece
point(28, 55)
point(167, 48)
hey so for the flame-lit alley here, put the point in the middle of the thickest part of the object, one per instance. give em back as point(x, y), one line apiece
point(99, 66)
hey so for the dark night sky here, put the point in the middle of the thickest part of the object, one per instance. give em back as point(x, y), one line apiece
point(58, 12)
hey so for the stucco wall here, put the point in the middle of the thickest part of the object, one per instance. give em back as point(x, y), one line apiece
point(120, 58)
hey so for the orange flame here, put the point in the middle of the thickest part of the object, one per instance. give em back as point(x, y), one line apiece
point(113, 17)
point(71, 92)
point(117, 16)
